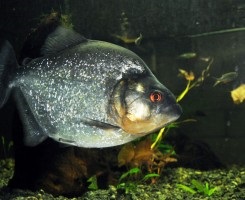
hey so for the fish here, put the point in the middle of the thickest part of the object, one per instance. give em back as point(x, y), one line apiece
point(226, 78)
point(85, 93)
point(238, 94)
point(188, 55)
point(129, 40)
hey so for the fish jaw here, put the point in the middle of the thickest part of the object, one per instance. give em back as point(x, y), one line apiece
point(144, 127)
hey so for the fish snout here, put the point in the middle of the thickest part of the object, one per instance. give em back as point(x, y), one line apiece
point(175, 110)
point(170, 107)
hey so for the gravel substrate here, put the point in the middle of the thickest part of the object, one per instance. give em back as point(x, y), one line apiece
point(230, 183)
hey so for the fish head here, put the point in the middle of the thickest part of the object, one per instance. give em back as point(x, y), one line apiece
point(143, 105)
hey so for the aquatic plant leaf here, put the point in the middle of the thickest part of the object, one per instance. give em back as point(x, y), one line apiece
point(166, 149)
point(205, 189)
point(159, 137)
point(181, 96)
point(127, 187)
point(93, 183)
point(148, 176)
point(198, 185)
point(211, 191)
point(206, 186)
point(186, 188)
point(132, 171)
point(173, 125)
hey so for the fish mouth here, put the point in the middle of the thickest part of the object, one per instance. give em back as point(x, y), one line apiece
point(177, 110)
point(173, 113)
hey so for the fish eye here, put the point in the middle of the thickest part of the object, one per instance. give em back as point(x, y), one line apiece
point(156, 96)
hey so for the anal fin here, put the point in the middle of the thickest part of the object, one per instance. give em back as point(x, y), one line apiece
point(33, 133)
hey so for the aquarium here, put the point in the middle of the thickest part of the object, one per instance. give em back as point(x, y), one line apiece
point(155, 111)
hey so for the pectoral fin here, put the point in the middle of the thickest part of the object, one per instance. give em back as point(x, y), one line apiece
point(101, 125)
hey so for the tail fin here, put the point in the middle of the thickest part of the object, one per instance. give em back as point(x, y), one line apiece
point(8, 64)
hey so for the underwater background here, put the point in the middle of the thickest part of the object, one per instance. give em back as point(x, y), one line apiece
point(181, 41)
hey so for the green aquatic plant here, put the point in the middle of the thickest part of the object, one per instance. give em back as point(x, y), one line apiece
point(93, 183)
point(129, 173)
point(128, 181)
point(191, 81)
point(198, 187)
point(142, 156)
point(150, 176)
point(128, 186)
point(159, 136)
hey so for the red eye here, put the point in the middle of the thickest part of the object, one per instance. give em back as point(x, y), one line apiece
point(155, 96)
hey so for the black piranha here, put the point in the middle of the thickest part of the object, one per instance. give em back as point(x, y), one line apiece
point(85, 93)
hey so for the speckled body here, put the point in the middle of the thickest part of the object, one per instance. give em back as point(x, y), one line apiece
point(85, 93)
point(70, 87)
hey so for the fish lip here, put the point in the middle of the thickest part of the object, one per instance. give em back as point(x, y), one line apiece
point(175, 110)
point(176, 113)
point(178, 108)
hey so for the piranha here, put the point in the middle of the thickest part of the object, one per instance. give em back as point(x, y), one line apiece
point(85, 93)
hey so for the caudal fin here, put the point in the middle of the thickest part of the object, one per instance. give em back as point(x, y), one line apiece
point(8, 65)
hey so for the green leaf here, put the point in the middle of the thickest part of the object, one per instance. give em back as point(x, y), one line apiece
point(127, 187)
point(148, 176)
point(173, 125)
point(93, 183)
point(205, 189)
point(198, 185)
point(132, 171)
point(121, 185)
point(211, 191)
point(186, 188)
point(166, 148)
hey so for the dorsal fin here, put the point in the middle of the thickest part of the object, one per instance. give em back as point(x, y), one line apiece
point(61, 39)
